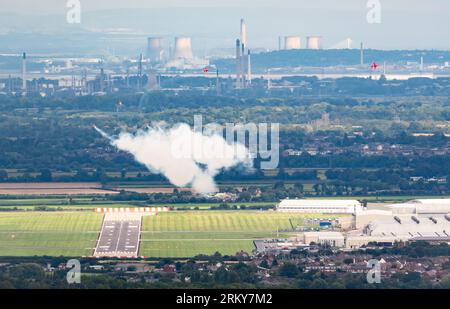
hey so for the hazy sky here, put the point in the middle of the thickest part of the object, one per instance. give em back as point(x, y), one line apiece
point(438, 7)
point(409, 24)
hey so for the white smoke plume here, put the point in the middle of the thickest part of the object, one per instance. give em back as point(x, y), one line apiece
point(184, 156)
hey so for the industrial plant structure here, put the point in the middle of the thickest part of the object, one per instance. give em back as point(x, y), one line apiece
point(314, 42)
point(24, 73)
point(421, 219)
point(243, 61)
point(292, 42)
point(155, 49)
point(183, 48)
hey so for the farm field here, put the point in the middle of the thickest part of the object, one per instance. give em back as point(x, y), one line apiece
point(184, 234)
point(48, 233)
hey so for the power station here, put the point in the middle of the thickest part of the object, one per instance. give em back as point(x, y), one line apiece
point(292, 42)
point(155, 49)
point(314, 42)
point(183, 48)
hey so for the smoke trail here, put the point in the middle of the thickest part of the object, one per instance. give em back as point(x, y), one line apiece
point(185, 157)
point(102, 133)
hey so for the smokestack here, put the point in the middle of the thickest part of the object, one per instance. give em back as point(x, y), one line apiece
point(243, 66)
point(24, 72)
point(140, 72)
point(243, 32)
point(361, 54)
point(102, 80)
point(183, 48)
point(155, 49)
point(292, 42)
point(314, 42)
point(249, 69)
point(279, 42)
point(238, 63)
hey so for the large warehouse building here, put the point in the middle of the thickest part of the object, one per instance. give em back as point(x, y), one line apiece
point(422, 206)
point(320, 206)
point(421, 219)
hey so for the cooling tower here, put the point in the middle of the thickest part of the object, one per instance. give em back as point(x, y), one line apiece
point(292, 42)
point(183, 48)
point(314, 42)
point(155, 49)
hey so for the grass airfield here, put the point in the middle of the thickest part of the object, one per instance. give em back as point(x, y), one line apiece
point(48, 233)
point(174, 234)
point(71, 228)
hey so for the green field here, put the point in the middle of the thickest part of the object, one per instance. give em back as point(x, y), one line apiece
point(184, 234)
point(174, 234)
point(48, 233)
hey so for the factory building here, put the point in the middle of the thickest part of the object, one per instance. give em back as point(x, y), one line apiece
point(422, 206)
point(365, 217)
point(333, 239)
point(422, 219)
point(320, 206)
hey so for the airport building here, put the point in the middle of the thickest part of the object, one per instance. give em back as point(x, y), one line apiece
point(422, 206)
point(333, 239)
point(320, 206)
point(416, 220)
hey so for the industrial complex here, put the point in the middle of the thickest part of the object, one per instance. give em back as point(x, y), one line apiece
point(421, 219)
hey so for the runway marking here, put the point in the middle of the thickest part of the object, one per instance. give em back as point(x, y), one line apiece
point(119, 235)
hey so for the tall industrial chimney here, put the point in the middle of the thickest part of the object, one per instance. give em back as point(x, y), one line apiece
point(314, 42)
point(249, 69)
point(102, 79)
point(183, 48)
point(279, 42)
point(243, 66)
point(238, 63)
point(24, 72)
point(243, 36)
point(155, 49)
point(361, 54)
point(139, 85)
point(292, 42)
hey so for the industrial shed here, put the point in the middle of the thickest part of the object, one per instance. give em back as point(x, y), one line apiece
point(320, 206)
point(422, 206)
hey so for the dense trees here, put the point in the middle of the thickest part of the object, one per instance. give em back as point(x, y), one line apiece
point(52, 139)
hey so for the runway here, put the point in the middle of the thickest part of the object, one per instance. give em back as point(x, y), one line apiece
point(119, 236)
